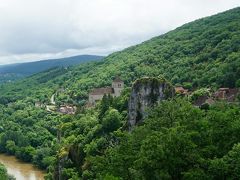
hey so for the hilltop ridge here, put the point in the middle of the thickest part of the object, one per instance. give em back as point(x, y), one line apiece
point(17, 71)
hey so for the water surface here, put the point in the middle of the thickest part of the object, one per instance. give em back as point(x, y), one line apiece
point(21, 170)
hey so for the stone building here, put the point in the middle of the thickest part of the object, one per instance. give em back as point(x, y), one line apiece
point(180, 90)
point(38, 104)
point(227, 94)
point(68, 109)
point(98, 93)
point(203, 100)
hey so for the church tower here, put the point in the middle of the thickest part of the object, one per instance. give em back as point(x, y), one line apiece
point(118, 86)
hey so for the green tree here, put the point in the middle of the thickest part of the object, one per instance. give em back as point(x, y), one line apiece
point(111, 121)
point(3, 172)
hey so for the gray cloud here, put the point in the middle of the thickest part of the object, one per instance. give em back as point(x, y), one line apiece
point(40, 29)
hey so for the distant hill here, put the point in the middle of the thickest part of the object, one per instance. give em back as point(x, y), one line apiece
point(16, 71)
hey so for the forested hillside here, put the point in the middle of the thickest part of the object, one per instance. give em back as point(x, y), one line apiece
point(201, 53)
point(176, 140)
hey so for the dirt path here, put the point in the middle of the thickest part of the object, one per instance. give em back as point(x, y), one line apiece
point(51, 107)
point(53, 99)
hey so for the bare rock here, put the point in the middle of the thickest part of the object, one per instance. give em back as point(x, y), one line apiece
point(146, 92)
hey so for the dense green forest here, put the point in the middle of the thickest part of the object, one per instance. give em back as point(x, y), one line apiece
point(177, 140)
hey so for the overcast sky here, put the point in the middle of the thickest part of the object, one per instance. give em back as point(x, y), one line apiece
point(41, 29)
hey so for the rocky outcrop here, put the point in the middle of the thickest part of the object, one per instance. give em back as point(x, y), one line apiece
point(146, 92)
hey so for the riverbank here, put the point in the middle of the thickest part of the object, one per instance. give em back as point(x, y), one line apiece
point(21, 170)
point(4, 174)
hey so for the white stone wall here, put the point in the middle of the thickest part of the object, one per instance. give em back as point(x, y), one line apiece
point(94, 98)
point(118, 87)
point(117, 92)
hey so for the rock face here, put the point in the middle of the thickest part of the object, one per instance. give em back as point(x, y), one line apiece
point(146, 92)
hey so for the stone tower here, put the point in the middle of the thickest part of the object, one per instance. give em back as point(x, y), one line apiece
point(118, 86)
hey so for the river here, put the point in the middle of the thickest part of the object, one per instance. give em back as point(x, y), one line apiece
point(21, 170)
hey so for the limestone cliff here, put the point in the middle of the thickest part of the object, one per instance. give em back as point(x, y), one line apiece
point(146, 92)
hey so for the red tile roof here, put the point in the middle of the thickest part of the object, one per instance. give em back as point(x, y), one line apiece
point(181, 90)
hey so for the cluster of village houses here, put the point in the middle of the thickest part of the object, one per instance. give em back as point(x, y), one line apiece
point(64, 109)
point(94, 96)
point(227, 94)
